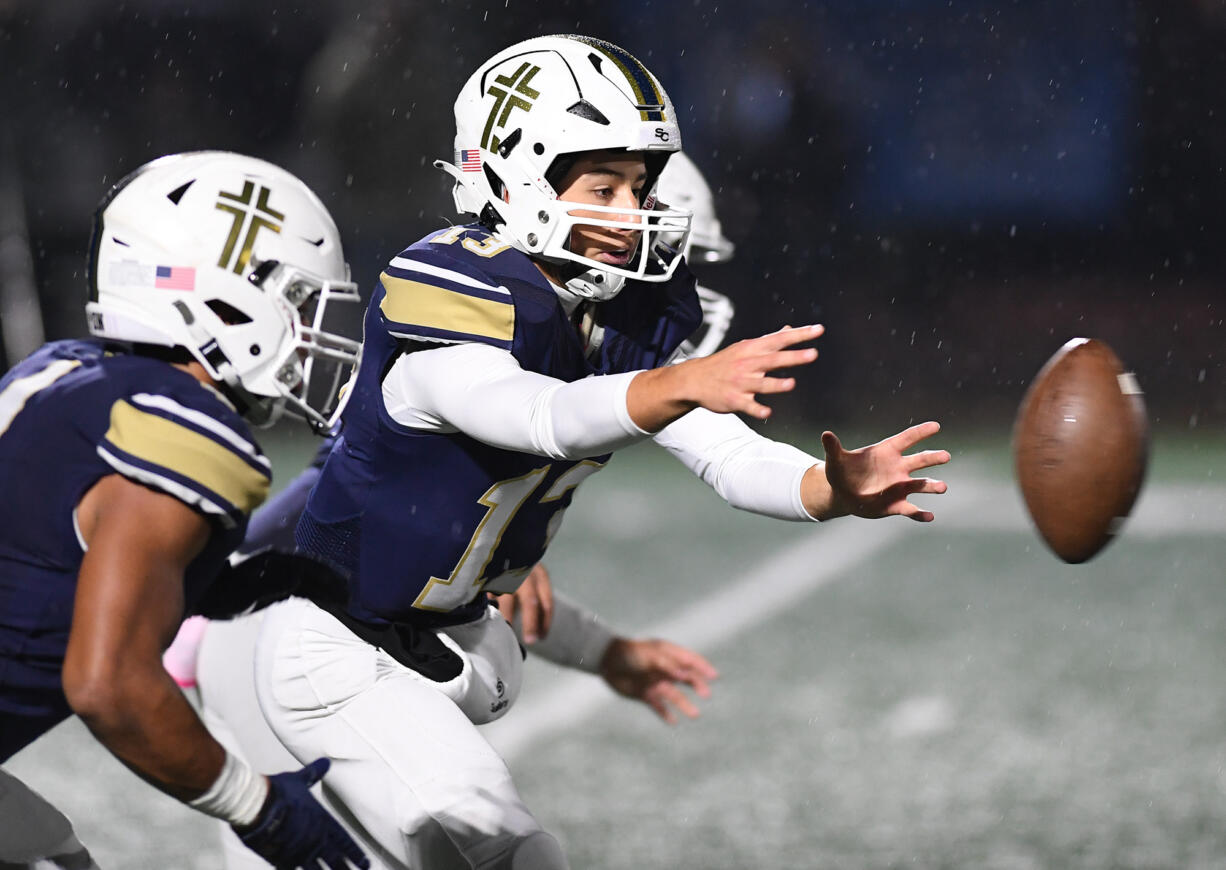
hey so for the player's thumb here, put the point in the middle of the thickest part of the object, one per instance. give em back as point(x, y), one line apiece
point(315, 771)
point(831, 443)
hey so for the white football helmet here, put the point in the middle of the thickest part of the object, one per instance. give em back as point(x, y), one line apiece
point(235, 260)
point(553, 97)
point(683, 185)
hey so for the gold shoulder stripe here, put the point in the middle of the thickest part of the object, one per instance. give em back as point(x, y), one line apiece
point(416, 304)
point(165, 443)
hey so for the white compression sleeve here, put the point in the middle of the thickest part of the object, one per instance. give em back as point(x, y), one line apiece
point(748, 470)
point(577, 637)
point(483, 392)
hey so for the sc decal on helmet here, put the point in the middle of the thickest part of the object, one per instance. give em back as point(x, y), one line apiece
point(524, 116)
point(234, 260)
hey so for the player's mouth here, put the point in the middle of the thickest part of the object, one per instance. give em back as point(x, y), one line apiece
point(619, 257)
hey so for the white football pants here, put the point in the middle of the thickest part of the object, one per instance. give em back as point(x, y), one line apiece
point(410, 772)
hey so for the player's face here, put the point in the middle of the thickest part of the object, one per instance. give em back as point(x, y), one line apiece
point(608, 178)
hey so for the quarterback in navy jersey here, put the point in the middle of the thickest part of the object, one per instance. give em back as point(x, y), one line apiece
point(137, 472)
point(396, 508)
point(214, 656)
point(492, 384)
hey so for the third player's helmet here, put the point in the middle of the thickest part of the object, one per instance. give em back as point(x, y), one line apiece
point(683, 185)
point(234, 260)
point(526, 113)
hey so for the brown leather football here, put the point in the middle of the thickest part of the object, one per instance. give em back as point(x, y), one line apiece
point(1080, 447)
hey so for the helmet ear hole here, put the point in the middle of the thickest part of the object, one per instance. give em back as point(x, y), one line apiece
point(495, 182)
point(229, 315)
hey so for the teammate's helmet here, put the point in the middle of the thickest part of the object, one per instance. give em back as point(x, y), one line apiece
point(521, 120)
point(682, 185)
point(233, 259)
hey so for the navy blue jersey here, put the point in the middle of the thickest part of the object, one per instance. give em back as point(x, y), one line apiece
point(70, 414)
point(422, 522)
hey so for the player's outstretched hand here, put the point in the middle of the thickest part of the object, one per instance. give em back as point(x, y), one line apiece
point(653, 671)
point(293, 830)
point(876, 481)
point(533, 601)
point(729, 381)
point(725, 382)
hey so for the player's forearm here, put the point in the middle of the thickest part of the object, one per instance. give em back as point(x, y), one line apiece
point(749, 471)
point(577, 638)
point(142, 717)
point(657, 397)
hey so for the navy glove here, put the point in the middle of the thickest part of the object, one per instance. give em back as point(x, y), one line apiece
point(293, 830)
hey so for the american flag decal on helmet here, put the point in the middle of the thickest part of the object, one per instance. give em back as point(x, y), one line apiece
point(469, 159)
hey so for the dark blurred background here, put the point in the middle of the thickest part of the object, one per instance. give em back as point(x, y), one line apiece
point(954, 189)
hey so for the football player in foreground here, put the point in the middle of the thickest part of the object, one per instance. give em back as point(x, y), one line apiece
point(210, 275)
point(215, 656)
point(490, 388)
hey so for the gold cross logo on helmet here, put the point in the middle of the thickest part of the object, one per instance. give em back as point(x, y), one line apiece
point(514, 94)
point(254, 217)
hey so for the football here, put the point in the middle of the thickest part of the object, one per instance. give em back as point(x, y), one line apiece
point(1080, 448)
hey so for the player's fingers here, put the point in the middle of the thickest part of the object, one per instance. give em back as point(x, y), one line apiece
point(682, 672)
point(925, 459)
point(684, 661)
point(746, 404)
point(912, 435)
point(911, 512)
point(698, 663)
point(932, 485)
point(544, 589)
point(913, 485)
point(655, 701)
point(787, 337)
point(506, 606)
point(926, 485)
point(785, 359)
point(767, 385)
point(831, 444)
point(315, 771)
point(698, 683)
point(529, 615)
point(680, 701)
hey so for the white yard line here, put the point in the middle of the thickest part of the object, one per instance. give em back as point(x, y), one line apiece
point(755, 597)
point(830, 553)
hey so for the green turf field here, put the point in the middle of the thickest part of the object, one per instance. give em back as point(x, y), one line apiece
point(892, 695)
